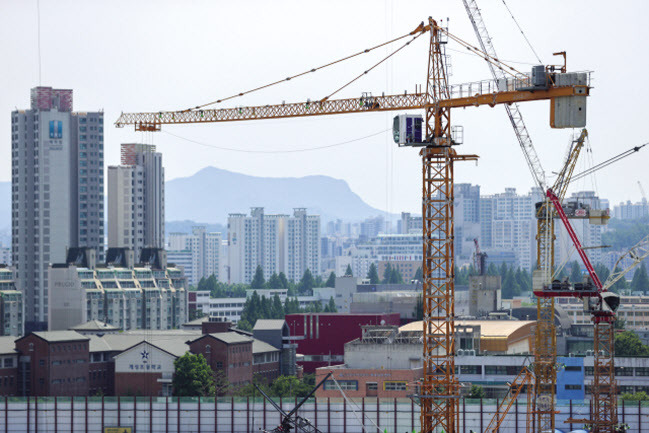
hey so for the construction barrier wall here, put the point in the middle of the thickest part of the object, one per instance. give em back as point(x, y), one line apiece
point(243, 415)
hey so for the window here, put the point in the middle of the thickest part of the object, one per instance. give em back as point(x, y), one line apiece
point(208, 348)
point(372, 386)
point(573, 368)
point(573, 387)
point(393, 385)
point(346, 385)
point(219, 364)
point(8, 363)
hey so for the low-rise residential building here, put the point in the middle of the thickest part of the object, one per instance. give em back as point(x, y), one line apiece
point(147, 296)
point(12, 309)
point(9, 378)
point(228, 353)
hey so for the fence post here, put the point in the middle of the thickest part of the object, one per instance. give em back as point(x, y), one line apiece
point(232, 414)
point(481, 427)
point(395, 415)
point(150, 414)
point(378, 415)
point(315, 411)
point(134, 413)
point(72, 414)
point(166, 414)
point(639, 417)
point(178, 414)
point(264, 410)
point(103, 414)
point(516, 415)
point(463, 415)
point(216, 411)
point(412, 415)
point(29, 398)
point(247, 414)
point(36, 413)
point(6, 413)
point(56, 415)
point(570, 408)
point(497, 413)
point(623, 413)
point(344, 415)
point(119, 412)
point(329, 413)
point(199, 415)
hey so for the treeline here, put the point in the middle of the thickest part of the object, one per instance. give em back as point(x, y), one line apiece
point(623, 234)
point(276, 281)
point(260, 307)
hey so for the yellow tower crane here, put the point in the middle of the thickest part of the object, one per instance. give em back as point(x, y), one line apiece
point(440, 389)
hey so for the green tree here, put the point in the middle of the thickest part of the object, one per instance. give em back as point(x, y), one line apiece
point(274, 282)
point(331, 306)
point(638, 396)
point(387, 273)
point(628, 343)
point(258, 281)
point(640, 282)
point(290, 386)
point(602, 272)
point(395, 276)
point(476, 391)
point(277, 308)
point(348, 271)
point(419, 275)
point(373, 274)
point(283, 280)
point(244, 325)
point(621, 284)
point(331, 281)
point(575, 272)
point(307, 283)
point(192, 377)
point(492, 269)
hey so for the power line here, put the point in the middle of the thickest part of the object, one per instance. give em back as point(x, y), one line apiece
point(231, 149)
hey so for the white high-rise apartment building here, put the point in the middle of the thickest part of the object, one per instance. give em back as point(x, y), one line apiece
point(57, 191)
point(136, 199)
point(277, 243)
point(590, 235)
point(198, 253)
point(508, 223)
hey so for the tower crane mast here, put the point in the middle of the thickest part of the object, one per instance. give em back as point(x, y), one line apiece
point(440, 389)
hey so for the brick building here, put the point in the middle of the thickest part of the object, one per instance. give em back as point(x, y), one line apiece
point(265, 361)
point(53, 363)
point(321, 337)
point(227, 352)
point(9, 378)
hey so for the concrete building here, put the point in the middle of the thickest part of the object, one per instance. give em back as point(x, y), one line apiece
point(409, 224)
point(57, 191)
point(12, 307)
point(144, 296)
point(199, 254)
point(277, 243)
point(631, 211)
point(136, 199)
point(508, 224)
point(5, 255)
point(277, 334)
point(467, 220)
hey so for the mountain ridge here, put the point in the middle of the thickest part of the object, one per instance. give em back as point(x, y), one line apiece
point(190, 198)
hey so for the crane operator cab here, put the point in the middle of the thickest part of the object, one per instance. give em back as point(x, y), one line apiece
point(407, 129)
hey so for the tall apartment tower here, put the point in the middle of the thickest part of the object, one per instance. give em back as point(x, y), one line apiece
point(277, 243)
point(136, 199)
point(57, 159)
point(303, 244)
point(199, 253)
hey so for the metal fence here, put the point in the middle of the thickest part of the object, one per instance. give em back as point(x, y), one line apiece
point(243, 415)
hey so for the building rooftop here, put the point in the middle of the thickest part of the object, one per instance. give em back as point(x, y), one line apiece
point(259, 346)
point(94, 325)
point(269, 324)
point(8, 345)
point(488, 328)
point(56, 336)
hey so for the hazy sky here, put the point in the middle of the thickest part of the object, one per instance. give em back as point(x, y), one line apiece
point(160, 55)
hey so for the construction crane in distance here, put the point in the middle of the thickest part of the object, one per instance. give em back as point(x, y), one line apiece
point(545, 341)
point(439, 394)
point(644, 196)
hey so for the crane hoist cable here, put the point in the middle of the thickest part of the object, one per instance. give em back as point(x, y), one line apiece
point(608, 162)
point(419, 30)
